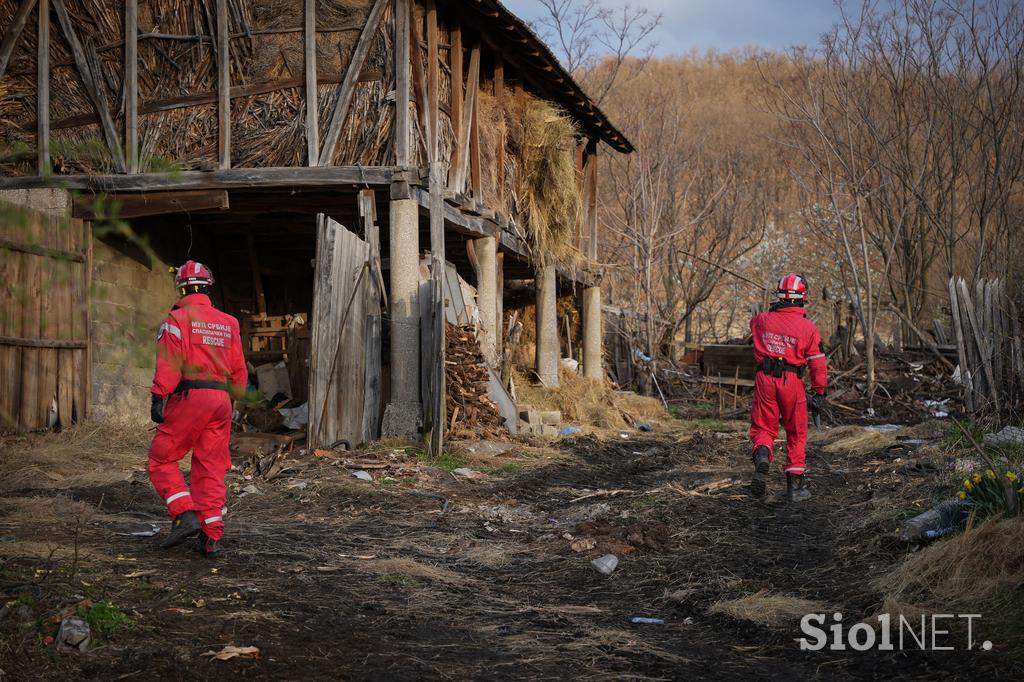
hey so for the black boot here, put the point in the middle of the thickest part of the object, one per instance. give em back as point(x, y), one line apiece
point(761, 462)
point(185, 525)
point(207, 546)
point(796, 488)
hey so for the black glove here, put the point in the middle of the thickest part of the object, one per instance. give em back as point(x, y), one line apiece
point(156, 409)
point(817, 402)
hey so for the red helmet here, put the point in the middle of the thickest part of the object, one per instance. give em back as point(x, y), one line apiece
point(193, 273)
point(792, 287)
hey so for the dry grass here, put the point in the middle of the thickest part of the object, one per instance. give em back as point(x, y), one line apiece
point(411, 569)
point(861, 443)
point(765, 608)
point(978, 564)
point(547, 191)
point(587, 402)
point(90, 452)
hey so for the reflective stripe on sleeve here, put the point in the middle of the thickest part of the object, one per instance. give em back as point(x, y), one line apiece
point(167, 327)
point(815, 357)
point(176, 496)
point(213, 518)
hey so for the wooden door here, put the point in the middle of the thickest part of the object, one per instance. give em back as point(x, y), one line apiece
point(345, 305)
point(45, 266)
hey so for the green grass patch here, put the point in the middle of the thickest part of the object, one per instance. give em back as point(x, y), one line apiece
point(105, 618)
point(445, 460)
point(703, 424)
point(646, 502)
point(398, 579)
point(506, 469)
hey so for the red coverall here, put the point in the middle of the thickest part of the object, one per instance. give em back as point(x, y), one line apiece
point(785, 333)
point(196, 342)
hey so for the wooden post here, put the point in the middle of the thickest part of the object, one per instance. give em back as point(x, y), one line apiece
point(437, 265)
point(465, 133)
point(458, 76)
point(499, 97)
point(43, 89)
point(592, 201)
point(433, 79)
point(14, 32)
point(348, 85)
point(419, 83)
point(131, 85)
point(89, 73)
point(223, 85)
point(474, 139)
point(312, 106)
point(403, 156)
point(374, 291)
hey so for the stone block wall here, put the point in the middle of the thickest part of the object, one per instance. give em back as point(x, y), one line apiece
point(129, 301)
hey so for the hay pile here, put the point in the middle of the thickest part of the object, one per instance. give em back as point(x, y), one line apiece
point(587, 402)
point(548, 200)
point(976, 565)
point(765, 608)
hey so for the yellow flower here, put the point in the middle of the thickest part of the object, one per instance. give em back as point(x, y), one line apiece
point(963, 495)
point(976, 478)
point(967, 484)
point(1011, 476)
point(991, 474)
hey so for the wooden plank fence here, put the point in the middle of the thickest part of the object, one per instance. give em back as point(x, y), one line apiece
point(45, 266)
point(986, 325)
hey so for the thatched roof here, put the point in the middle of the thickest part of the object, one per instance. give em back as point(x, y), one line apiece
point(521, 47)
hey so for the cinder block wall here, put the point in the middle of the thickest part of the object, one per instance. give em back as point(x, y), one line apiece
point(129, 301)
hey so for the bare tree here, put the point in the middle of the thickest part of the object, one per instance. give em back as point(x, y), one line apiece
point(589, 33)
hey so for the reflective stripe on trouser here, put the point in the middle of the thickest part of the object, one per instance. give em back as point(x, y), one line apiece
point(783, 398)
point(200, 421)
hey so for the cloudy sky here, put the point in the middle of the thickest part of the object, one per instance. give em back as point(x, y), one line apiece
point(725, 24)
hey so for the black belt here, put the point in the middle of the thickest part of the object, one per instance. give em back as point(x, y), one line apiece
point(776, 366)
point(185, 385)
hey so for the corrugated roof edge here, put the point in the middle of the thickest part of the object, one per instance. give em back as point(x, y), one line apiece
point(576, 101)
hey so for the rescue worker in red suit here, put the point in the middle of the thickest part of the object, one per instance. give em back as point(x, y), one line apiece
point(199, 368)
point(786, 344)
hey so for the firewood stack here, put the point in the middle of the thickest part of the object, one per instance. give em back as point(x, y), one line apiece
point(471, 413)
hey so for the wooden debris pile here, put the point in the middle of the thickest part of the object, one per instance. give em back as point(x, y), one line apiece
point(471, 413)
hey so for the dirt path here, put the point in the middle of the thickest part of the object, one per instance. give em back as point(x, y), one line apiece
point(434, 577)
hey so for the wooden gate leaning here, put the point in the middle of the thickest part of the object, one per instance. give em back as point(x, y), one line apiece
point(345, 320)
point(45, 266)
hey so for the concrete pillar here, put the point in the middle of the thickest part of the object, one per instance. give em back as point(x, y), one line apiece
point(592, 337)
point(487, 295)
point(547, 325)
point(403, 415)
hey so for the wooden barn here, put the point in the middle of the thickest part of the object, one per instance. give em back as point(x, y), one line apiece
point(355, 173)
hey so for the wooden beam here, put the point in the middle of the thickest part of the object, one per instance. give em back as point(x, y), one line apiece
point(41, 343)
point(223, 86)
point(458, 77)
point(88, 71)
point(592, 202)
point(469, 106)
point(403, 157)
point(312, 106)
point(499, 96)
point(185, 101)
point(419, 84)
point(355, 66)
point(36, 250)
point(474, 147)
point(131, 85)
point(14, 32)
point(234, 178)
point(151, 203)
point(437, 276)
point(43, 90)
point(433, 78)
